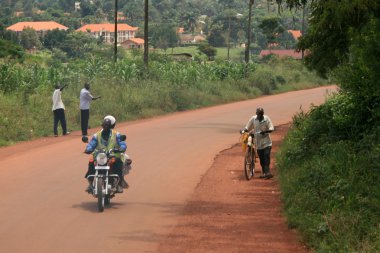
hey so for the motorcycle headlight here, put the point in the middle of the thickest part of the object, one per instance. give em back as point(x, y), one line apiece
point(101, 159)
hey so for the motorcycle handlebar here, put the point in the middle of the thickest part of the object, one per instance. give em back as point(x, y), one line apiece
point(110, 151)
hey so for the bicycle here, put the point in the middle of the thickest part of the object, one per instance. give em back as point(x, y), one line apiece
point(248, 146)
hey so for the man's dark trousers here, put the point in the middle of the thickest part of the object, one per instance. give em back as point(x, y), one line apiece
point(59, 116)
point(264, 155)
point(84, 117)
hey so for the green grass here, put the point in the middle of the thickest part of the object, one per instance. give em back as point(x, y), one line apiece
point(330, 183)
point(236, 53)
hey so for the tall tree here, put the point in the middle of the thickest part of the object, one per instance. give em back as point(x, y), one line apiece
point(216, 37)
point(29, 39)
point(135, 12)
point(342, 39)
point(54, 39)
point(164, 36)
point(272, 29)
point(10, 49)
point(208, 50)
point(190, 20)
point(331, 27)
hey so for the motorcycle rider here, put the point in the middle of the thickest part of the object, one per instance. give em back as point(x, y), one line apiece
point(109, 139)
point(127, 161)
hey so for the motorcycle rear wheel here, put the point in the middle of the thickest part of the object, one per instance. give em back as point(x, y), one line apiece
point(101, 197)
point(249, 163)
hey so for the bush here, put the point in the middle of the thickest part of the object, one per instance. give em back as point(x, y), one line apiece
point(329, 178)
point(265, 80)
point(9, 49)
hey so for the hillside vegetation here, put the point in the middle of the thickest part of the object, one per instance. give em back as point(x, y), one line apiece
point(330, 162)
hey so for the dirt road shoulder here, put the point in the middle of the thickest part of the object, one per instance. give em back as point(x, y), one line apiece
point(227, 213)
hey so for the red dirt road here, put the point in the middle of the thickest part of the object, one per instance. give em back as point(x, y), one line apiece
point(43, 206)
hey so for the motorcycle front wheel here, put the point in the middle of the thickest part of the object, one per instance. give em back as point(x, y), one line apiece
point(249, 163)
point(107, 200)
point(101, 196)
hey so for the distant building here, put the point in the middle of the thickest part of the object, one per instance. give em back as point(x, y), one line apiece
point(77, 6)
point(39, 12)
point(107, 32)
point(282, 53)
point(180, 30)
point(187, 38)
point(137, 43)
point(121, 16)
point(40, 27)
point(19, 14)
point(295, 33)
point(190, 39)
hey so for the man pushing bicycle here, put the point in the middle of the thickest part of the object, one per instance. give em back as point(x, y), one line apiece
point(261, 125)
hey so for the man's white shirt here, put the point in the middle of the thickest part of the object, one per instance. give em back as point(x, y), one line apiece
point(85, 99)
point(57, 100)
point(261, 140)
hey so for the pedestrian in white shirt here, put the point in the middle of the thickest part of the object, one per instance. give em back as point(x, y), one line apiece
point(85, 98)
point(59, 110)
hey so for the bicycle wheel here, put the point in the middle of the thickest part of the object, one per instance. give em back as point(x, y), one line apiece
point(249, 163)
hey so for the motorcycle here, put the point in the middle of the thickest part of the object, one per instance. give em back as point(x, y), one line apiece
point(104, 183)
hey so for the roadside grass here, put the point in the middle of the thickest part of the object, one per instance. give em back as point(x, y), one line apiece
point(282, 75)
point(330, 185)
point(128, 92)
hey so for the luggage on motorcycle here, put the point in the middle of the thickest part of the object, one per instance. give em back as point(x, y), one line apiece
point(124, 184)
point(127, 161)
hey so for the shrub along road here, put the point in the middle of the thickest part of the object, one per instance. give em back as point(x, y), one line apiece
point(44, 207)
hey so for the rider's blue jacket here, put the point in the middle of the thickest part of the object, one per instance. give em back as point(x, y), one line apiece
point(91, 146)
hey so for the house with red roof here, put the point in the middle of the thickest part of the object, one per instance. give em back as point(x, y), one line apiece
point(107, 32)
point(190, 38)
point(40, 27)
point(295, 33)
point(133, 43)
point(180, 30)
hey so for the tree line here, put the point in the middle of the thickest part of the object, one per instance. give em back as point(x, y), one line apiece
point(224, 23)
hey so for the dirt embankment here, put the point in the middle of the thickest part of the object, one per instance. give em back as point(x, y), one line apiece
point(227, 213)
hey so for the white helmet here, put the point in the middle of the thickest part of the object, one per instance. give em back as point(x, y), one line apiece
point(112, 119)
